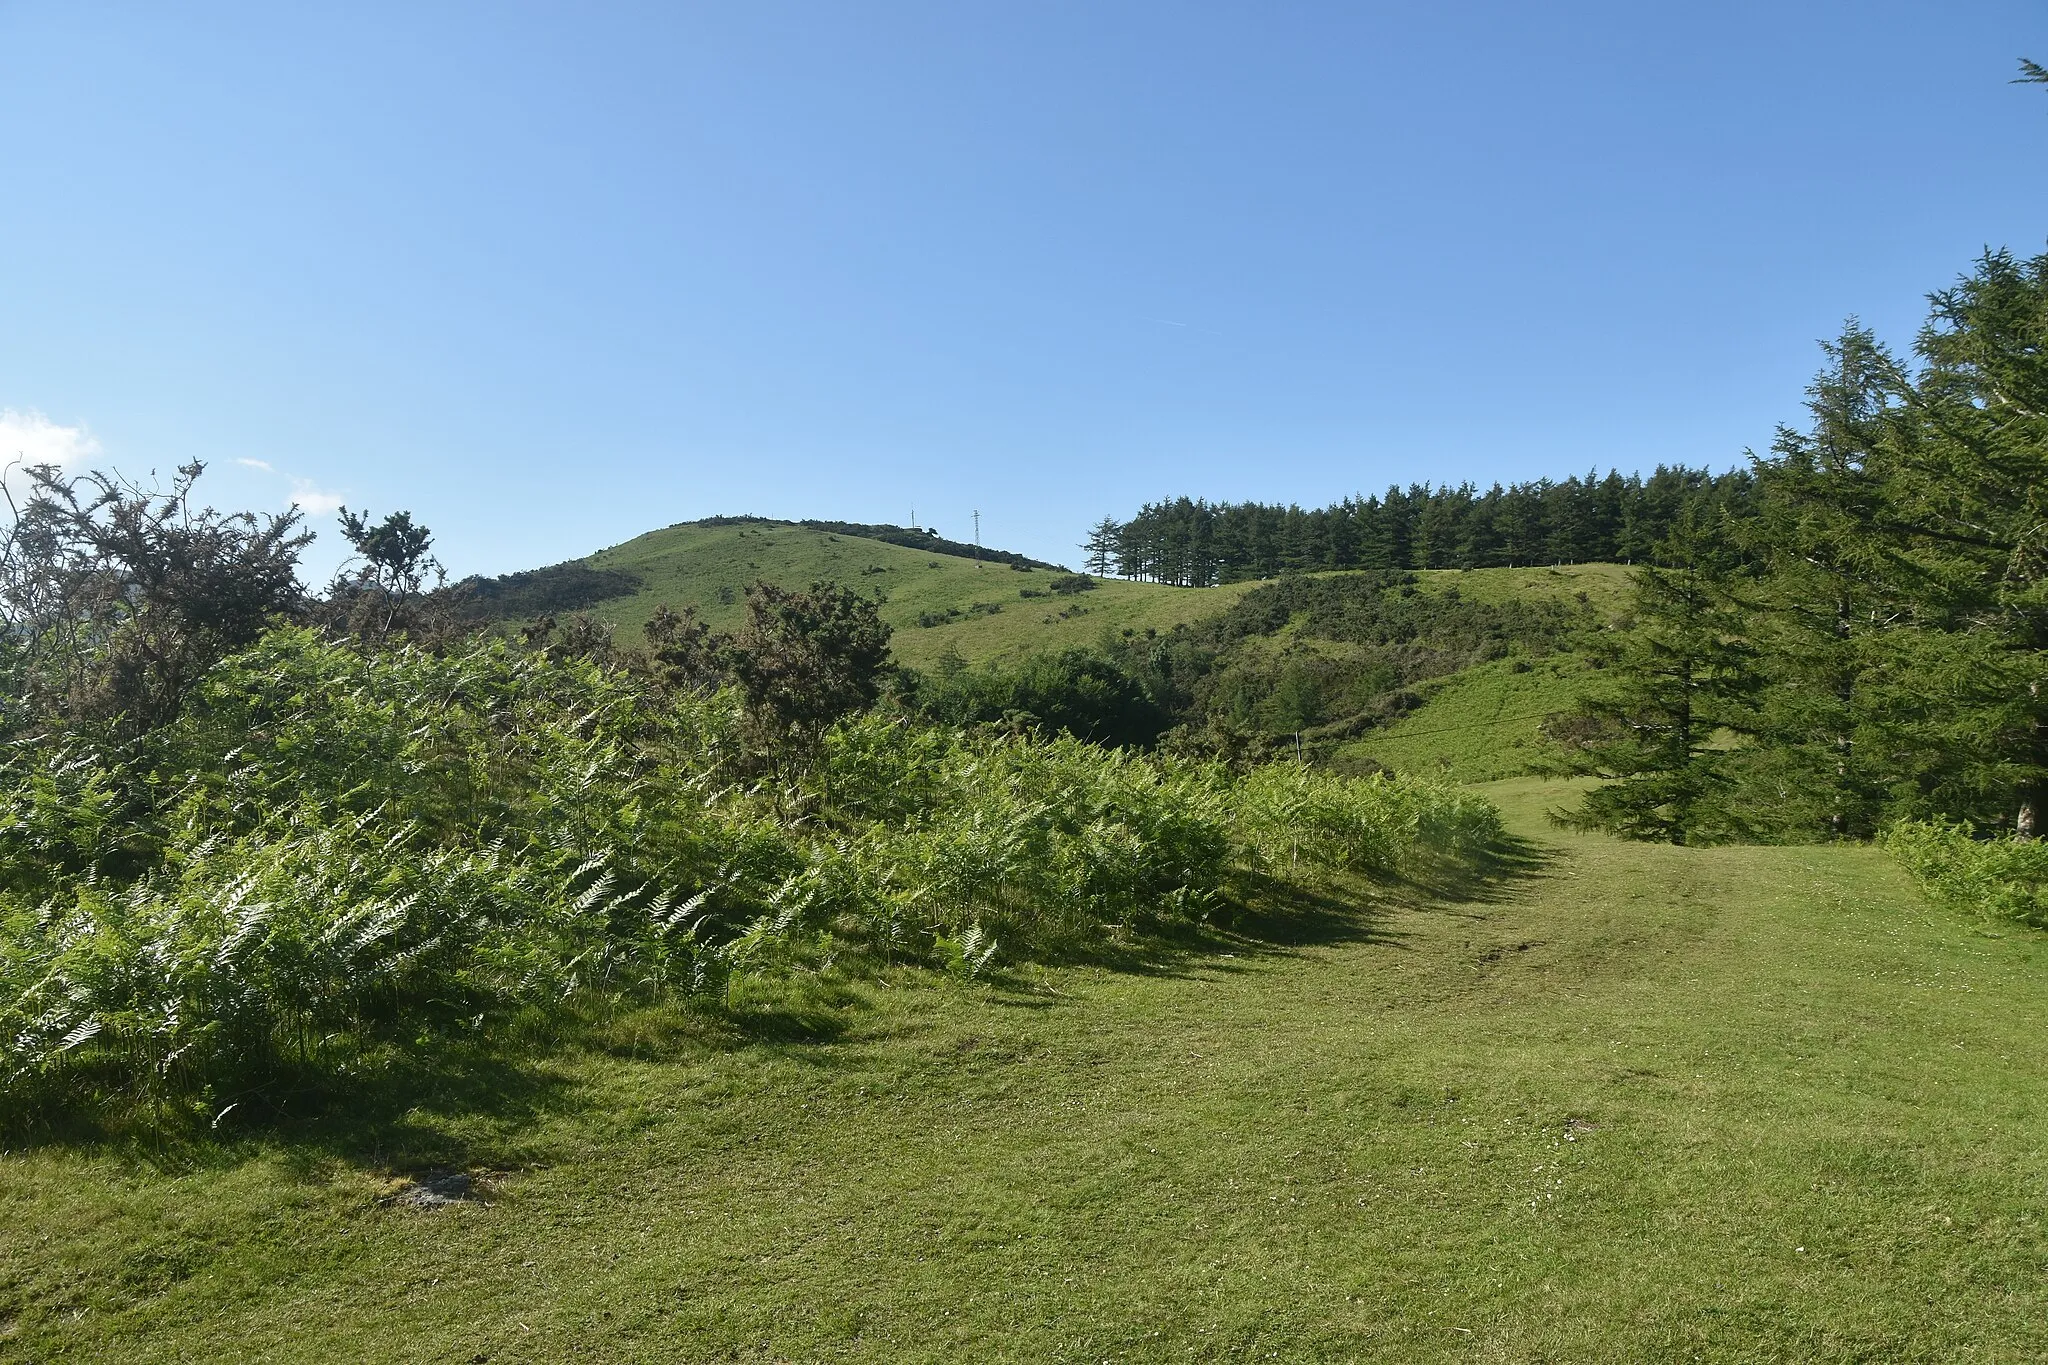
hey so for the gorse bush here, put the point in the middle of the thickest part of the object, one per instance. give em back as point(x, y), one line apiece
point(332, 851)
point(1996, 879)
point(114, 597)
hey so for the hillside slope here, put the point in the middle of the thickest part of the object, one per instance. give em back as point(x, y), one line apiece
point(1479, 724)
point(1605, 587)
point(1484, 723)
point(934, 601)
point(977, 609)
point(1475, 725)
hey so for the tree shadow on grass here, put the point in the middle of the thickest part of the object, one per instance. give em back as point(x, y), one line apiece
point(1499, 873)
point(370, 1113)
point(488, 1100)
point(483, 1100)
point(1261, 913)
point(1279, 915)
point(1269, 915)
point(1285, 914)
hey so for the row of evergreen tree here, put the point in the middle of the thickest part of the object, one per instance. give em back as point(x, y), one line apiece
point(1191, 542)
point(1868, 639)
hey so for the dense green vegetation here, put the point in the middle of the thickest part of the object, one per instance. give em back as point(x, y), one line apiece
point(333, 852)
point(1113, 660)
point(1993, 879)
point(1300, 663)
point(1195, 543)
point(241, 858)
point(556, 589)
point(1304, 665)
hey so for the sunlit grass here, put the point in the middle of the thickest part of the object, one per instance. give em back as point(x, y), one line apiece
point(709, 567)
point(1606, 586)
point(1482, 723)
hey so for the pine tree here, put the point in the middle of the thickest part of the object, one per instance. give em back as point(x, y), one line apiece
point(1100, 547)
point(1679, 675)
point(1822, 616)
point(1905, 617)
point(1965, 524)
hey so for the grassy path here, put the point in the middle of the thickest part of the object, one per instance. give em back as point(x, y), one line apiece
point(1644, 1103)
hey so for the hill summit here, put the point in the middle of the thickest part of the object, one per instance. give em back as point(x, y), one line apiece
point(937, 594)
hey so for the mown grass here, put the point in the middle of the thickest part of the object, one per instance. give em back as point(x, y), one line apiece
point(1617, 1102)
point(709, 568)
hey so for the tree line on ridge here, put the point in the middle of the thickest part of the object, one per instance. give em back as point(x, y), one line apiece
point(1190, 542)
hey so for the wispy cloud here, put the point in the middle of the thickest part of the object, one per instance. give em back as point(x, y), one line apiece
point(312, 501)
point(307, 496)
point(27, 435)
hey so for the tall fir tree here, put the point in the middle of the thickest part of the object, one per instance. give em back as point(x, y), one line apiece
point(1679, 676)
point(1821, 613)
point(1964, 521)
point(1099, 550)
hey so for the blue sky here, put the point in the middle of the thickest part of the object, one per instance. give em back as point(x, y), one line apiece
point(550, 276)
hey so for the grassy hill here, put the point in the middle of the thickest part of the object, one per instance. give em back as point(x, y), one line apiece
point(1625, 1102)
point(980, 610)
point(1483, 723)
point(1475, 725)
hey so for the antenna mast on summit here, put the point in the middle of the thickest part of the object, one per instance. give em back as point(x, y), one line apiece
point(977, 537)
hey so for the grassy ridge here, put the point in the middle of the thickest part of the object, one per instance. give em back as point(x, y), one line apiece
point(1633, 1102)
point(1474, 726)
point(709, 567)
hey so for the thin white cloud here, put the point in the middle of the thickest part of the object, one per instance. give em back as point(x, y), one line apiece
point(312, 501)
point(307, 496)
point(30, 437)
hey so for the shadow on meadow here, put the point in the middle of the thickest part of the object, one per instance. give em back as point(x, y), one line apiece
point(1269, 915)
point(1283, 914)
point(480, 1101)
point(487, 1102)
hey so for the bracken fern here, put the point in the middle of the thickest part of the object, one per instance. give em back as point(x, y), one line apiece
point(332, 851)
